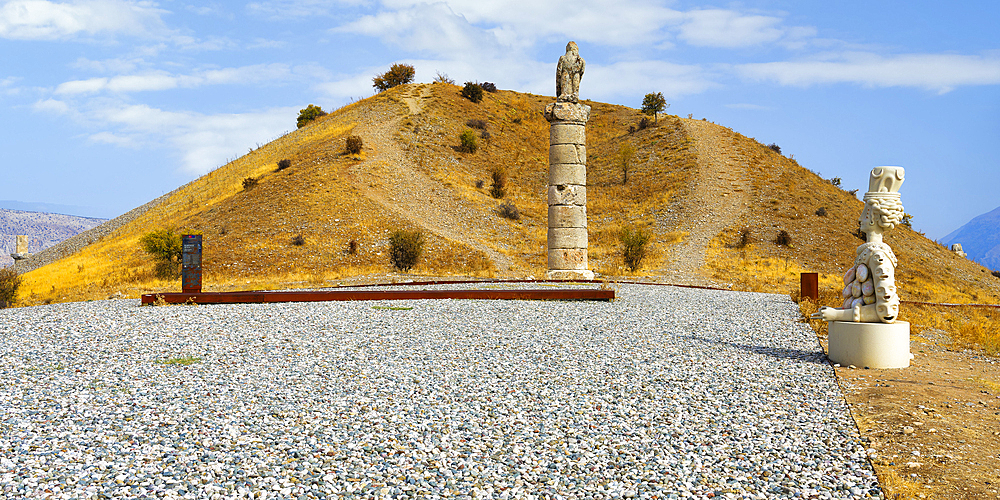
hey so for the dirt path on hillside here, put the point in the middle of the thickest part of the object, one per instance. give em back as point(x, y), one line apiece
point(388, 177)
point(719, 196)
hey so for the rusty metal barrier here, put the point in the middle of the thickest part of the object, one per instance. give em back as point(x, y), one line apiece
point(330, 295)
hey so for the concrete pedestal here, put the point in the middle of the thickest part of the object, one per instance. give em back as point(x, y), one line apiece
point(875, 345)
point(567, 192)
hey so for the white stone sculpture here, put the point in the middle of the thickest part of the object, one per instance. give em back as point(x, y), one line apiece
point(869, 286)
point(569, 72)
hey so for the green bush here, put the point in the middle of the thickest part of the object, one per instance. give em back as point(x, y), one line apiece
point(499, 187)
point(468, 141)
point(784, 239)
point(10, 282)
point(308, 115)
point(472, 92)
point(405, 248)
point(165, 247)
point(283, 164)
point(398, 74)
point(354, 144)
point(634, 241)
point(509, 211)
point(299, 240)
point(653, 104)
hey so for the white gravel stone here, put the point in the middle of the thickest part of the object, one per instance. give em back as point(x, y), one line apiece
point(662, 393)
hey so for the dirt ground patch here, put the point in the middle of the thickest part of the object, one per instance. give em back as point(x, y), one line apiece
point(933, 429)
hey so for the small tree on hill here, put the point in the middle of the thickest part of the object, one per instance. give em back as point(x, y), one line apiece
point(309, 114)
point(472, 91)
point(653, 104)
point(625, 154)
point(398, 74)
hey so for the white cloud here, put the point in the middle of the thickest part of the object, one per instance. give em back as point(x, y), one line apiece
point(52, 106)
point(46, 20)
point(623, 78)
point(427, 28)
point(203, 142)
point(937, 72)
point(109, 138)
point(729, 29)
point(284, 9)
point(521, 23)
point(256, 74)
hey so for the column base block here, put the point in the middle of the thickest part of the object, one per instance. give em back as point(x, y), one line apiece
point(569, 274)
point(875, 345)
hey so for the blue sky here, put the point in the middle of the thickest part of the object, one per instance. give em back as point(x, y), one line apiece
point(107, 104)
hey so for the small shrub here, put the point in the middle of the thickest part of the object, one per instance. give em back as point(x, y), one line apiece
point(774, 147)
point(644, 123)
point(624, 160)
point(631, 129)
point(784, 239)
point(443, 78)
point(835, 181)
point(472, 92)
point(283, 164)
point(406, 247)
point(485, 135)
point(517, 120)
point(352, 247)
point(398, 74)
point(821, 212)
point(853, 192)
point(165, 247)
point(476, 123)
point(907, 220)
point(489, 87)
point(746, 238)
point(499, 187)
point(250, 183)
point(480, 183)
point(354, 144)
point(10, 282)
point(509, 211)
point(309, 114)
point(995, 273)
point(634, 241)
point(468, 142)
point(298, 240)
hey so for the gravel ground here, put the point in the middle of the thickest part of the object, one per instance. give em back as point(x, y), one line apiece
point(663, 393)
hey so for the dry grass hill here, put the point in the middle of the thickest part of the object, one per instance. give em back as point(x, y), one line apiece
point(715, 202)
point(696, 185)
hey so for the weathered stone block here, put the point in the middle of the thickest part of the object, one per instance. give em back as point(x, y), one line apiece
point(567, 112)
point(567, 237)
point(567, 216)
point(568, 258)
point(569, 274)
point(568, 194)
point(567, 174)
point(567, 153)
point(567, 133)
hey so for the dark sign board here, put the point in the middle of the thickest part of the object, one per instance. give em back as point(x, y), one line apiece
point(191, 267)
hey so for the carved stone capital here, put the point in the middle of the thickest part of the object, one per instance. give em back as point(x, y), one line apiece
point(567, 112)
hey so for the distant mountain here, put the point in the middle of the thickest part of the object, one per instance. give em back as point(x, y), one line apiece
point(43, 230)
point(980, 238)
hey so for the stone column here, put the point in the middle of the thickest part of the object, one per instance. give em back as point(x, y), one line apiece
point(567, 238)
point(20, 250)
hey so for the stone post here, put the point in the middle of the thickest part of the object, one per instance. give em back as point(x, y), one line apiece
point(20, 250)
point(567, 193)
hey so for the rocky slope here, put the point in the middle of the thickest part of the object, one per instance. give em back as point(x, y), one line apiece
point(43, 230)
